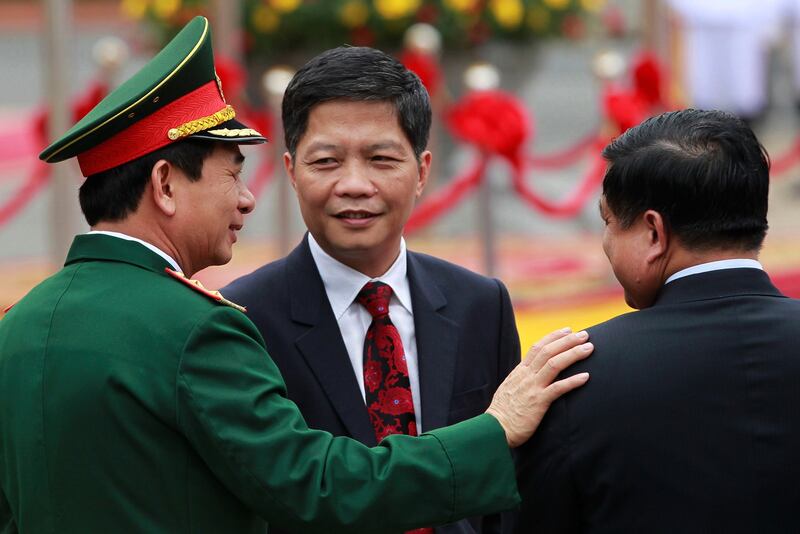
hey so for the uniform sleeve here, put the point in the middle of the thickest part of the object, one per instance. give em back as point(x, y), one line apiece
point(232, 407)
point(7, 524)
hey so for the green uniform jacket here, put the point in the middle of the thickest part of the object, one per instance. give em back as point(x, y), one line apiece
point(130, 402)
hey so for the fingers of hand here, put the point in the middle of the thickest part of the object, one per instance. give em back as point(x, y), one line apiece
point(558, 346)
point(554, 365)
point(537, 347)
point(556, 389)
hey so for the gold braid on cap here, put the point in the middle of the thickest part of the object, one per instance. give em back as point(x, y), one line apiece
point(201, 124)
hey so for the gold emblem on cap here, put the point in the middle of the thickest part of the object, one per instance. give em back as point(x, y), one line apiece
point(201, 124)
point(241, 132)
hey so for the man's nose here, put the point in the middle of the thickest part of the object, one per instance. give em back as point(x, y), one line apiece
point(247, 202)
point(354, 181)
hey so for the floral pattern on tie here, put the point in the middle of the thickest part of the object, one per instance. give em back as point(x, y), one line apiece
point(386, 384)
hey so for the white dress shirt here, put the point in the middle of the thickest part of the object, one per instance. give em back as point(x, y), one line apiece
point(342, 285)
point(715, 266)
point(154, 248)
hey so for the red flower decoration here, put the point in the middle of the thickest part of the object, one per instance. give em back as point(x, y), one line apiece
point(648, 78)
point(495, 121)
point(425, 67)
point(624, 107)
point(396, 401)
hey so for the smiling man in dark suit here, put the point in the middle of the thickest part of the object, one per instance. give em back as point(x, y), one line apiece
point(356, 123)
point(690, 421)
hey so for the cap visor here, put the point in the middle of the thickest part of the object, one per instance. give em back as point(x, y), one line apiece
point(231, 131)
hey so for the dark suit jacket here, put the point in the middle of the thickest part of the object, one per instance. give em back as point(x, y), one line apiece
point(467, 343)
point(690, 421)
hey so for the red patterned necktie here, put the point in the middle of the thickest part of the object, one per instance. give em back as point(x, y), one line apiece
point(387, 388)
point(386, 385)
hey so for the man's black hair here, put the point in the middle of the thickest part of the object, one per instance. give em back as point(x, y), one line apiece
point(703, 171)
point(114, 194)
point(358, 74)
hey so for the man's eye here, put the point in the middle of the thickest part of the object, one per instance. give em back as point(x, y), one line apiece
point(324, 161)
point(383, 158)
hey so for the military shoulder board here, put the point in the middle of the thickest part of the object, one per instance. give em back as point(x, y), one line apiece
point(197, 286)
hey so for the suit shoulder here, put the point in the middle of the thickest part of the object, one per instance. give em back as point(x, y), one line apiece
point(447, 272)
point(270, 275)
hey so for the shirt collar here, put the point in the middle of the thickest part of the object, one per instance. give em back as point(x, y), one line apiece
point(154, 248)
point(342, 283)
point(738, 263)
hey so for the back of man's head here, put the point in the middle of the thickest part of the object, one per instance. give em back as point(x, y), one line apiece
point(112, 195)
point(360, 74)
point(703, 171)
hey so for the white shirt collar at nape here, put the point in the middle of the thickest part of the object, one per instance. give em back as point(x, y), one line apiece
point(154, 248)
point(342, 283)
point(738, 263)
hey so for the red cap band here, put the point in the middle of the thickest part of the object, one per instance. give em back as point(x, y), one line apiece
point(151, 133)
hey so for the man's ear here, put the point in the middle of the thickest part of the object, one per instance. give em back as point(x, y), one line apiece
point(163, 177)
point(658, 236)
point(424, 171)
point(288, 164)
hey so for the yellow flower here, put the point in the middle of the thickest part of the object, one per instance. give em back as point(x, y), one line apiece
point(285, 6)
point(507, 13)
point(134, 9)
point(556, 4)
point(354, 14)
point(396, 9)
point(164, 9)
point(265, 20)
point(593, 5)
point(461, 5)
point(538, 18)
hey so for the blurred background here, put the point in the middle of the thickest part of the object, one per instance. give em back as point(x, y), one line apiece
point(526, 93)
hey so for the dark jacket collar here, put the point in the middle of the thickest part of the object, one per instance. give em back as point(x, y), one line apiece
point(717, 284)
point(94, 247)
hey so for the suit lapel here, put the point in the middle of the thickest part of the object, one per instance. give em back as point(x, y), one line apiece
point(322, 346)
point(437, 345)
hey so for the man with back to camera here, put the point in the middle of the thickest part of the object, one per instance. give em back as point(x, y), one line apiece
point(134, 400)
point(689, 424)
point(356, 123)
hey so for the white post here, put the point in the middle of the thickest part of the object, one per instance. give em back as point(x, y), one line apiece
point(274, 82)
point(227, 26)
point(483, 77)
point(58, 23)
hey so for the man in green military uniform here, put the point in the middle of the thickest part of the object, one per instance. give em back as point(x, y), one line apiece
point(133, 400)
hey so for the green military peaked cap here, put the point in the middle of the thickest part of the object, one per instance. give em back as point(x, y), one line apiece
point(176, 95)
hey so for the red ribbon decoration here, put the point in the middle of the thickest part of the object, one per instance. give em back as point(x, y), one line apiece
point(37, 179)
point(564, 157)
point(787, 160)
point(40, 174)
point(446, 197)
point(573, 203)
